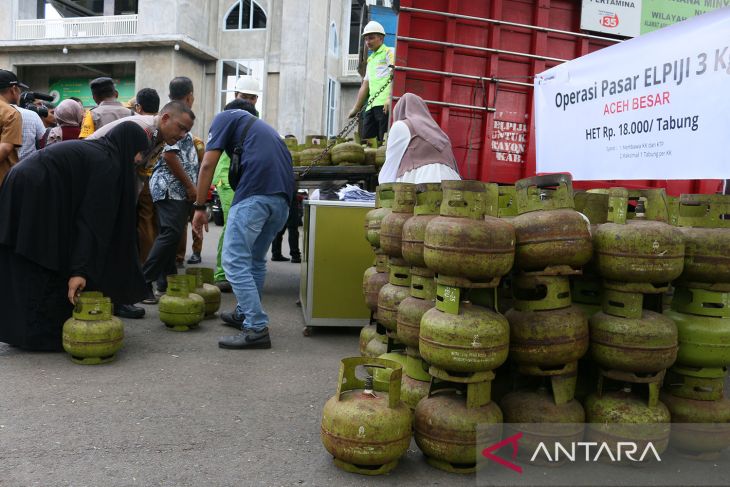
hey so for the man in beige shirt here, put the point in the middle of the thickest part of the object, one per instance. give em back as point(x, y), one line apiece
point(108, 108)
point(11, 122)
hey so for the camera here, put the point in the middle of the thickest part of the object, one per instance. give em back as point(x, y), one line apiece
point(28, 97)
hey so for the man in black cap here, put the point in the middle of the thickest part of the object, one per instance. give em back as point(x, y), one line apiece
point(108, 108)
point(11, 122)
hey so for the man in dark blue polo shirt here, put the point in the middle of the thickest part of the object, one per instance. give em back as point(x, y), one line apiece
point(259, 210)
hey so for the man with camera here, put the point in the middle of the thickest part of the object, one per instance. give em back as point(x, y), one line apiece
point(11, 122)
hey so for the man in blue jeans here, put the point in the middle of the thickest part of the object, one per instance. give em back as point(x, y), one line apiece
point(259, 210)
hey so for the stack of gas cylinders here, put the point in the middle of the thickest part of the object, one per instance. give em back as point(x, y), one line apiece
point(498, 309)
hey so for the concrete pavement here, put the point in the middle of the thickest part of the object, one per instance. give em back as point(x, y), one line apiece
point(175, 410)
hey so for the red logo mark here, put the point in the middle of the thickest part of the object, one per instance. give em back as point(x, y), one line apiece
point(609, 21)
point(514, 440)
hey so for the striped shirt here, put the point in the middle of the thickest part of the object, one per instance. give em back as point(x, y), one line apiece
point(33, 130)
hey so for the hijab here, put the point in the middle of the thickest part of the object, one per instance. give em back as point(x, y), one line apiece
point(429, 144)
point(71, 208)
point(69, 113)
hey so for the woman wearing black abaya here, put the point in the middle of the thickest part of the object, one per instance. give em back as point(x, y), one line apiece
point(67, 222)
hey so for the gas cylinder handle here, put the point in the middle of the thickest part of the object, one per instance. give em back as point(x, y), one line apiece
point(348, 381)
point(531, 194)
point(618, 200)
point(655, 202)
point(704, 211)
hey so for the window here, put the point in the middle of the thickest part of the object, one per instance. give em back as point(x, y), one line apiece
point(334, 42)
point(232, 69)
point(332, 89)
point(355, 41)
point(245, 14)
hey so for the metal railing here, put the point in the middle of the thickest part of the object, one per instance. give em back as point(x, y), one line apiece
point(74, 27)
point(350, 65)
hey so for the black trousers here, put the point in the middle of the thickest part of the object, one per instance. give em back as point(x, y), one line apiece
point(172, 220)
point(375, 123)
point(292, 226)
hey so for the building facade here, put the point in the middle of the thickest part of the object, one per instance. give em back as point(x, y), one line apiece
point(304, 53)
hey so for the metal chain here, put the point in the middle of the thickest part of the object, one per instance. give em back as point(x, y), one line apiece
point(348, 127)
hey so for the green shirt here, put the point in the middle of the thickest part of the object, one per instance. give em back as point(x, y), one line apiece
point(220, 177)
point(378, 73)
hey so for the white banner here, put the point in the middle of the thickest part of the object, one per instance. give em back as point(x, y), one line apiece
point(621, 18)
point(654, 107)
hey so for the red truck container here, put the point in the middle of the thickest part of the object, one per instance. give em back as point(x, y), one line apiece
point(474, 62)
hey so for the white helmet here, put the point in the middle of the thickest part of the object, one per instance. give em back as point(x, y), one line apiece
point(373, 27)
point(248, 85)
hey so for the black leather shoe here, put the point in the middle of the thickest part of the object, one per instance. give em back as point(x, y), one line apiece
point(233, 319)
point(246, 340)
point(195, 258)
point(224, 286)
point(128, 311)
point(295, 259)
point(278, 258)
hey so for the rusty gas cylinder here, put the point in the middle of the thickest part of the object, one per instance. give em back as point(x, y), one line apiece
point(427, 207)
point(700, 429)
point(624, 416)
point(367, 333)
point(540, 420)
point(391, 228)
point(365, 429)
point(374, 279)
point(373, 218)
point(546, 331)
point(412, 308)
point(550, 233)
point(703, 223)
point(416, 381)
point(392, 294)
point(639, 249)
point(474, 340)
point(446, 425)
point(348, 153)
point(628, 338)
point(467, 240)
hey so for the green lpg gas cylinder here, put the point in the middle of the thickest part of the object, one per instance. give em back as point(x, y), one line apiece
point(640, 249)
point(467, 240)
point(624, 416)
point(348, 153)
point(428, 202)
point(367, 333)
point(205, 289)
point(475, 340)
point(366, 429)
point(392, 294)
point(540, 420)
point(628, 338)
point(700, 429)
point(550, 233)
point(446, 425)
point(180, 308)
point(703, 223)
point(383, 206)
point(92, 335)
point(416, 381)
point(412, 308)
point(374, 279)
point(546, 331)
point(703, 324)
point(391, 228)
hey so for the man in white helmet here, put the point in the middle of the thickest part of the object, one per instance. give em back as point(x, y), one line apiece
point(377, 75)
point(248, 89)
